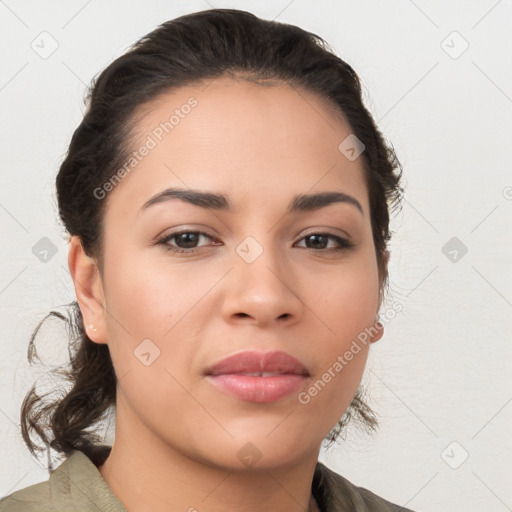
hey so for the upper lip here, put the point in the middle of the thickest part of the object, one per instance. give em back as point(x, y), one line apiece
point(255, 362)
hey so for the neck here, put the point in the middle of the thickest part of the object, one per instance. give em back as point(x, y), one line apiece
point(150, 475)
point(145, 482)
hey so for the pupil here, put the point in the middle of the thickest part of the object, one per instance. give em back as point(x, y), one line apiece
point(189, 238)
point(316, 239)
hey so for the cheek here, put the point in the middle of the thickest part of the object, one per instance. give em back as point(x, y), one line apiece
point(147, 299)
point(145, 332)
point(345, 301)
point(344, 312)
point(154, 301)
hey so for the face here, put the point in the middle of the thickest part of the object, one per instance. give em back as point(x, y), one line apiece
point(255, 270)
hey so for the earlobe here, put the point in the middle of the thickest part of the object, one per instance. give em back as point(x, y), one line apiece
point(376, 332)
point(89, 290)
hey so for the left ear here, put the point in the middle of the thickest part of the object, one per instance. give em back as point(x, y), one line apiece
point(378, 328)
point(384, 273)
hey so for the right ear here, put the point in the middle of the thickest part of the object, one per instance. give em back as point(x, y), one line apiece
point(89, 290)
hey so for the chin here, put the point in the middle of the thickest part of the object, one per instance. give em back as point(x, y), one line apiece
point(266, 448)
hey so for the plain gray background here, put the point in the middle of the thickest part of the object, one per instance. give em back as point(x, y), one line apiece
point(438, 80)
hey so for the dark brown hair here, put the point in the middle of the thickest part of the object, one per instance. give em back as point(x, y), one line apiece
point(188, 50)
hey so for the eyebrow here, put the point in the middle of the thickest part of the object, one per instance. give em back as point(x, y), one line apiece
point(300, 203)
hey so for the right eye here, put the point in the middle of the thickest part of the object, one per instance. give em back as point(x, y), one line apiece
point(185, 241)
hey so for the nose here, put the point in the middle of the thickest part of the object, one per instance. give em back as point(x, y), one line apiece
point(263, 292)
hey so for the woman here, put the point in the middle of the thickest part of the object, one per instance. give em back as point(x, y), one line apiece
point(227, 197)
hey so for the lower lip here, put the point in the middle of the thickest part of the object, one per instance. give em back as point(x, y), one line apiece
point(258, 389)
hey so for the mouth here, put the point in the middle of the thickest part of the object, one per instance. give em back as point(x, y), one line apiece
point(258, 377)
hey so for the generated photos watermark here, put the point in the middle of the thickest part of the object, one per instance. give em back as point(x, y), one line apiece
point(152, 140)
point(362, 339)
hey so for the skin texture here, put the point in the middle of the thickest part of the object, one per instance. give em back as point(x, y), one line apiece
point(177, 437)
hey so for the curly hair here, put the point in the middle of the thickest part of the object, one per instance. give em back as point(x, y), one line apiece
point(188, 50)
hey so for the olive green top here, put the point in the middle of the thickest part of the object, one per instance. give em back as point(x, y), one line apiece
point(77, 486)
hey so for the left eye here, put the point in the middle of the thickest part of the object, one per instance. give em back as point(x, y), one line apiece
point(186, 241)
point(322, 239)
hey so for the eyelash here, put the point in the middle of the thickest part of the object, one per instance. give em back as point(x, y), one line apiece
point(164, 241)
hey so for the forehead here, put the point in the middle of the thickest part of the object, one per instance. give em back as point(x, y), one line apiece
point(241, 138)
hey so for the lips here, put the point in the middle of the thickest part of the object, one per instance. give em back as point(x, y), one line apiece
point(258, 377)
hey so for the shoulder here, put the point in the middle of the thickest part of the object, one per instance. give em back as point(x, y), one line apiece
point(35, 498)
point(335, 492)
point(76, 485)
